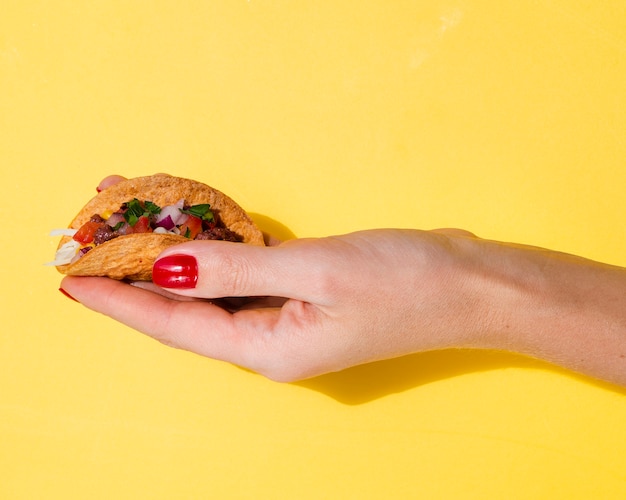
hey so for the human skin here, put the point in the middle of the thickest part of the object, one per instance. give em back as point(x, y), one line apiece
point(324, 304)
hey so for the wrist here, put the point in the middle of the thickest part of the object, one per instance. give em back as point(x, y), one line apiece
point(564, 309)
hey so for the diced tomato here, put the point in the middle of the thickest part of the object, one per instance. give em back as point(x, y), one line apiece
point(85, 234)
point(193, 226)
point(142, 225)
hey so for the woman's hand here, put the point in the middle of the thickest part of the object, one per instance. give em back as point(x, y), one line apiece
point(321, 305)
point(338, 301)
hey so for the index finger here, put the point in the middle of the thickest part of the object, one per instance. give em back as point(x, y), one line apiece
point(109, 181)
point(199, 327)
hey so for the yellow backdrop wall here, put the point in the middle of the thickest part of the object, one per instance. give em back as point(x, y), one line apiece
point(504, 118)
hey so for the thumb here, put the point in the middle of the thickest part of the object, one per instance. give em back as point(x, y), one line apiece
point(214, 269)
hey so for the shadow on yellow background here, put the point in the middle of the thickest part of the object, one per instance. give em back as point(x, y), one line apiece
point(272, 227)
point(371, 381)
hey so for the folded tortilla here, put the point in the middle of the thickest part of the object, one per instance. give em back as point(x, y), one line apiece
point(132, 256)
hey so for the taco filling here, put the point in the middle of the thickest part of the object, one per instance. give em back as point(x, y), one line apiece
point(195, 222)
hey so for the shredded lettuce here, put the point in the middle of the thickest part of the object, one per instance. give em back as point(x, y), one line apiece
point(65, 254)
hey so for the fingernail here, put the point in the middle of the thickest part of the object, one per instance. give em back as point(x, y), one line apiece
point(175, 271)
point(67, 294)
point(99, 189)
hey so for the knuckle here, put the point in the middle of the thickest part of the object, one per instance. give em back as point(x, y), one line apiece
point(281, 376)
point(235, 274)
point(327, 283)
point(168, 342)
point(295, 353)
point(286, 372)
point(163, 328)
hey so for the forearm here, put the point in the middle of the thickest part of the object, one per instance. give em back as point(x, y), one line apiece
point(561, 308)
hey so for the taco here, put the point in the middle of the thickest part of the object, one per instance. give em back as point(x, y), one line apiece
point(122, 230)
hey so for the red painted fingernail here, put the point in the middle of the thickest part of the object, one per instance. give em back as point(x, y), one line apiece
point(67, 294)
point(176, 271)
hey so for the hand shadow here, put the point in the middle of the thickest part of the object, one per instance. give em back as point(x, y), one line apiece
point(371, 381)
point(272, 227)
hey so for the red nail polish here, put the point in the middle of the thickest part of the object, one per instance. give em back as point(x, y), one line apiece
point(67, 294)
point(175, 271)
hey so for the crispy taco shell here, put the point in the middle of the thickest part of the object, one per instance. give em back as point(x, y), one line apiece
point(132, 256)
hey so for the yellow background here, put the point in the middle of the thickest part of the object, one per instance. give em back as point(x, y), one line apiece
point(505, 118)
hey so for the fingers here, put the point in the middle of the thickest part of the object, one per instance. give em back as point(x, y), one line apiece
point(231, 304)
point(271, 241)
point(450, 231)
point(200, 327)
point(213, 269)
point(109, 181)
point(151, 287)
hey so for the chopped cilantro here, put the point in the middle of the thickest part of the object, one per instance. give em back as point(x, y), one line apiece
point(152, 208)
point(136, 209)
point(202, 211)
point(131, 218)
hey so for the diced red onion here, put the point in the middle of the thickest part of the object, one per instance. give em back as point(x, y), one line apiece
point(125, 229)
point(115, 219)
point(166, 223)
point(182, 219)
point(174, 213)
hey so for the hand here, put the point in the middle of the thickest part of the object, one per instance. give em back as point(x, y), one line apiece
point(350, 300)
point(330, 303)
